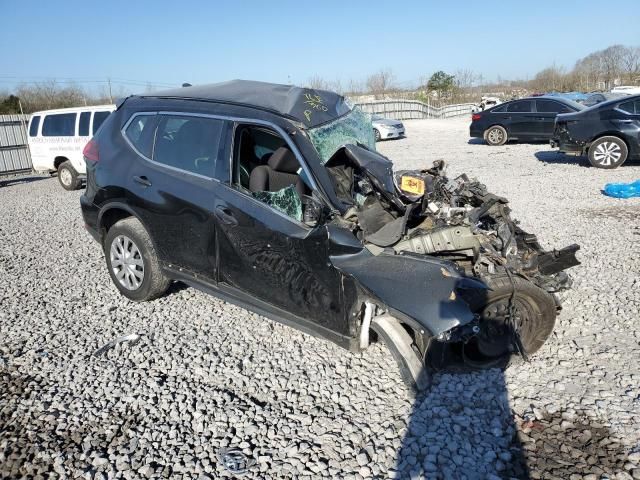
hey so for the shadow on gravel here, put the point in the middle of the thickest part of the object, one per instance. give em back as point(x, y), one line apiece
point(476, 141)
point(7, 182)
point(554, 156)
point(462, 427)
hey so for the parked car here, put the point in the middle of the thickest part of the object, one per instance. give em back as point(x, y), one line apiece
point(595, 98)
point(609, 132)
point(486, 103)
point(627, 89)
point(524, 120)
point(273, 197)
point(385, 128)
point(57, 137)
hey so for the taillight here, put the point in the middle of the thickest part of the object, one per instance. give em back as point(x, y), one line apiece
point(475, 116)
point(90, 151)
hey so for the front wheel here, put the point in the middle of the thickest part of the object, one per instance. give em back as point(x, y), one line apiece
point(608, 152)
point(376, 134)
point(496, 135)
point(515, 318)
point(68, 177)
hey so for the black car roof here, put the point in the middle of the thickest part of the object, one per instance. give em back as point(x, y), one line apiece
point(309, 106)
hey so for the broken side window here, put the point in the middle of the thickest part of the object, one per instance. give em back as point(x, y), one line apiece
point(354, 128)
point(285, 200)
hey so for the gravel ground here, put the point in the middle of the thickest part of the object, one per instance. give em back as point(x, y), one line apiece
point(205, 375)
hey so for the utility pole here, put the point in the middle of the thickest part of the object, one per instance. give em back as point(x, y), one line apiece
point(110, 97)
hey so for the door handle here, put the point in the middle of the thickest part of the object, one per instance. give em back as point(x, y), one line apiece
point(226, 216)
point(144, 181)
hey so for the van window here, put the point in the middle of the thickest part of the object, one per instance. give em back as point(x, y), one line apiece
point(83, 126)
point(140, 133)
point(59, 125)
point(98, 119)
point(188, 143)
point(33, 128)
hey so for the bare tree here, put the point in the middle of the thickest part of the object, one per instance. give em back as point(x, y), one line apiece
point(380, 83)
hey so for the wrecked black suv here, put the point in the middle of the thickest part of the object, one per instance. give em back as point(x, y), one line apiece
point(274, 198)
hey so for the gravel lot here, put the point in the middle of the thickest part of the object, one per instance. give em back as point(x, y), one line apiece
point(206, 375)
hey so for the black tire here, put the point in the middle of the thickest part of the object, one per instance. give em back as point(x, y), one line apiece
point(153, 282)
point(495, 345)
point(376, 135)
point(608, 152)
point(496, 135)
point(68, 177)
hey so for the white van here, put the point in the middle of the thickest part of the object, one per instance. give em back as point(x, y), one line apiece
point(57, 137)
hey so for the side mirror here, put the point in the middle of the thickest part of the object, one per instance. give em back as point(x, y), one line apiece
point(314, 212)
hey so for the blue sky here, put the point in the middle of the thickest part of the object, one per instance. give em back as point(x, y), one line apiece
point(291, 41)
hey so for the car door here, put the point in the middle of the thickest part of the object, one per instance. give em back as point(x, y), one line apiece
point(546, 112)
point(174, 189)
point(521, 119)
point(276, 259)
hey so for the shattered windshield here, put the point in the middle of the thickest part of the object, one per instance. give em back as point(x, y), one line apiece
point(352, 128)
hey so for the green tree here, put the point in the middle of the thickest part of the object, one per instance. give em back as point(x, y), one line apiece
point(9, 105)
point(442, 83)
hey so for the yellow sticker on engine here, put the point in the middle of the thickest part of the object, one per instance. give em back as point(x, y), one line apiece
point(412, 185)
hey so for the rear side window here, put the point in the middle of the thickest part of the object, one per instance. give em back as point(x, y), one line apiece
point(522, 106)
point(33, 128)
point(631, 107)
point(83, 125)
point(59, 125)
point(188, 143)
point(549, 106)
point(499, 109)
point(98, 119)
point(140, 133)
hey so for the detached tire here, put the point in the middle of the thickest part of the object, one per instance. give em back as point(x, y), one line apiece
point(496, 136)
point(68, 177)
point(608, 152)
point(132, 261)
point(494, 346)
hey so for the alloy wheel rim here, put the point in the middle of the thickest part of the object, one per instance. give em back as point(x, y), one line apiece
point(65, 176)
point(607, 153)
point(127, 263)
point(495, 135)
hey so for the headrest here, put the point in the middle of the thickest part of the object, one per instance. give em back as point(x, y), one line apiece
point(283, 160)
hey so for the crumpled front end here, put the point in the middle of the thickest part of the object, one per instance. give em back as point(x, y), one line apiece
point(423, 214)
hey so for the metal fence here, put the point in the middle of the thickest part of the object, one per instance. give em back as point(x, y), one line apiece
point(413, 109)
point(14, 150)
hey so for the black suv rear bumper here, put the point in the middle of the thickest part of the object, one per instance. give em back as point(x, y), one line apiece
point(90, 217)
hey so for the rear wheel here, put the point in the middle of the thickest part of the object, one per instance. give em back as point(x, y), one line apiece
point(376, 134)
point(496, 135)
point(608, 152)
point(132, 261)
point(510, 325)
point(68, 177)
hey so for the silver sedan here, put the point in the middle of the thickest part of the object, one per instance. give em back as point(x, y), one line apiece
point(384, 128)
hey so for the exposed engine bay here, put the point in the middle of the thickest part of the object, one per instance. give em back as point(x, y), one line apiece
point(425, 213)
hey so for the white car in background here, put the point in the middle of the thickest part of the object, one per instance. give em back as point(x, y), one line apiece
point(384, 128)
point(626, 89)
point(57, 137)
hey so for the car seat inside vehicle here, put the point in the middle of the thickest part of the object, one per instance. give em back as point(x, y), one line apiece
point(280, 172)
point(264, 162)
